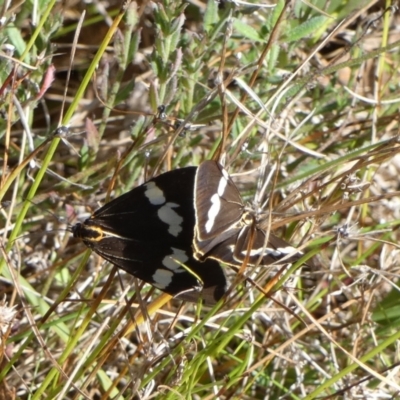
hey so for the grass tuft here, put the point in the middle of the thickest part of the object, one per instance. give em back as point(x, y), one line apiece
point(300, 101)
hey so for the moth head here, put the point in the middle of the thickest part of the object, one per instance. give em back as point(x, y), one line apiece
point(87, 232)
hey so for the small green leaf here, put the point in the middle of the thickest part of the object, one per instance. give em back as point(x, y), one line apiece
point(177, 23)
point(133, 46)
point(273, 56)
point(161, 19)
point(174, 40)
point(211, 15)
point(219, 25)
point(153, 97)
point(131, 16)
point(306, 29)
point(84, 156)
point(15, 38)
point(246, 31)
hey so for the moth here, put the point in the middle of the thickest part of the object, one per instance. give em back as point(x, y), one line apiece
point(149, 231)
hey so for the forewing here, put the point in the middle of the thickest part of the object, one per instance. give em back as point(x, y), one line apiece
point(218, 204)
point(160, 210)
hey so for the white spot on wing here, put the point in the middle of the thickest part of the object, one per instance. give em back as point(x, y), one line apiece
point(279, 252)
point(216, 201)
point(154, 194)
point(213, 212)
point(288, 250)
point(171, 218)
point(162, 278)
point(174, 260)
point(222, 185)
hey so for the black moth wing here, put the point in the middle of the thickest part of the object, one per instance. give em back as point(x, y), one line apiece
point(232, 249)
point(149, 231)
point(224, 228)
point(265, 250)
point(219, 210)
point(163, 205)
point(218, 206)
